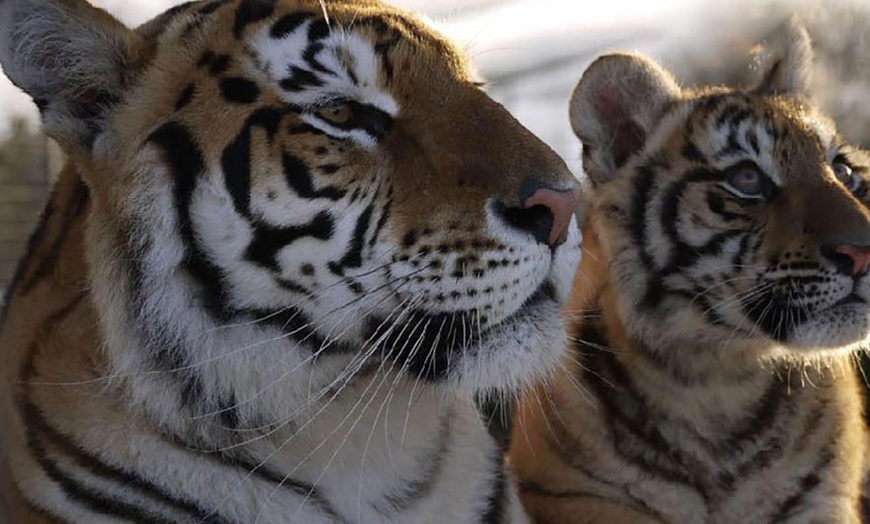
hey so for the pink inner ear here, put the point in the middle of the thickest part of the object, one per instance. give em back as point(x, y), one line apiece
point(608, 106)
point(626, 137)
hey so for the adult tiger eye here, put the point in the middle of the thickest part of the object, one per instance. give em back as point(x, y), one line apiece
point(336, 113)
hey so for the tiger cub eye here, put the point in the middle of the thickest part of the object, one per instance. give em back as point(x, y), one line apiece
point(846, 175)
point(745, 180)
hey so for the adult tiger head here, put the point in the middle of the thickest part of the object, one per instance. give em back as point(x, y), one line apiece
point(728, 219)
point(282, 195)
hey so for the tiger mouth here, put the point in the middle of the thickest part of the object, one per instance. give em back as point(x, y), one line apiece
point(427, 344)
point(782, 322)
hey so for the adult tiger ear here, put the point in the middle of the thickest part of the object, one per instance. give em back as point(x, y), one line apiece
point(72, 58)
point(615, 107)
point(787, 59)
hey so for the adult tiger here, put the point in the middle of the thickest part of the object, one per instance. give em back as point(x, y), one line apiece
point(723, 288)
point(286, 251)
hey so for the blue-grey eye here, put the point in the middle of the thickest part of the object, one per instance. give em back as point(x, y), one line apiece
point(746, 181)
point(846, 175)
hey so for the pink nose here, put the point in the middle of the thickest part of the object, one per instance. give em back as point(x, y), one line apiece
point(561, 204)
point(860, 258)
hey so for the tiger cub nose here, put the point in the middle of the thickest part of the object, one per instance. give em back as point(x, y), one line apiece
point(550, 211)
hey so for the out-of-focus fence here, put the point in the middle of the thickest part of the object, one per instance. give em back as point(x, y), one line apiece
point(25, 177)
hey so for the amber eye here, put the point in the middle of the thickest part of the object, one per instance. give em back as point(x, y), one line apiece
point(846, 175)
point(336, 113)
point(746, 181)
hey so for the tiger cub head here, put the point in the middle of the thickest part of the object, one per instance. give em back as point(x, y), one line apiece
point(727, 219)
point(280, 184)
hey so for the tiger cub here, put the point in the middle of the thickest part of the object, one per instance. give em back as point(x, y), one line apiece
point(293, 241)
point(723, 291)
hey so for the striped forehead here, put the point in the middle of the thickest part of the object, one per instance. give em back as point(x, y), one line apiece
point(313, 63)
point(739, 130)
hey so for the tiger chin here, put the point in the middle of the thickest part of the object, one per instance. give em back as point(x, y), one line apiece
point(721, 299)
point(290, 244)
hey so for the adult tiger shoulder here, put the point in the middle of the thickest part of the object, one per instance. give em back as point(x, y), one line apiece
point(286, 252)
point(723, 291)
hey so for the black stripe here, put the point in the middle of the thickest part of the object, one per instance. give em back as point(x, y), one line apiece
point(669, 218)
point(211, 7)
point(165, 353)
point(302, 489)
point(71, 210)
point(185, 97)
point(496, 412)
point(383, 50)
point(304, 129)
point(236, 165)
point(862, 368)
point(239, 90)
point(186, 164)
point(633, 424)
point(299, 178)
point(805, 486)
point(47, 515)
point(236, 159)
point(39, 429)
point(174, 11)
point(732, 115)
point(560, 442)
point(268, 240)
point(428, 473)
point(761, 419)
point(773, 447)
point(318, 30)
point(300, 79)
point(219, 65)
point(93, 499)
point(250, 12)
point(716, 202)
point(382, 220)
point(34, 242)
point(496, 504)
point(537, 490)
point(202, 16)
point(752, 139)
point(643, 185)
point(288, 24)
point(293, 286)
point(691, 153)
point(169, 16)
point(353, 257)
point(310, 57)
point(329, 169)
point(533, 488)
point(732, 146)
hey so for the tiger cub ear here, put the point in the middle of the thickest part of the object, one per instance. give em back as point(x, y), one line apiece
point(788, 61)
point(71, 58)
point(615, 107)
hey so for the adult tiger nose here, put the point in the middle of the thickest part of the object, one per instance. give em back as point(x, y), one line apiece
point(561, 204)
point(860, 257)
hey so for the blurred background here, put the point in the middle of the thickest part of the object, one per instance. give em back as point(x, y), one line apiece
point(532, 53)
